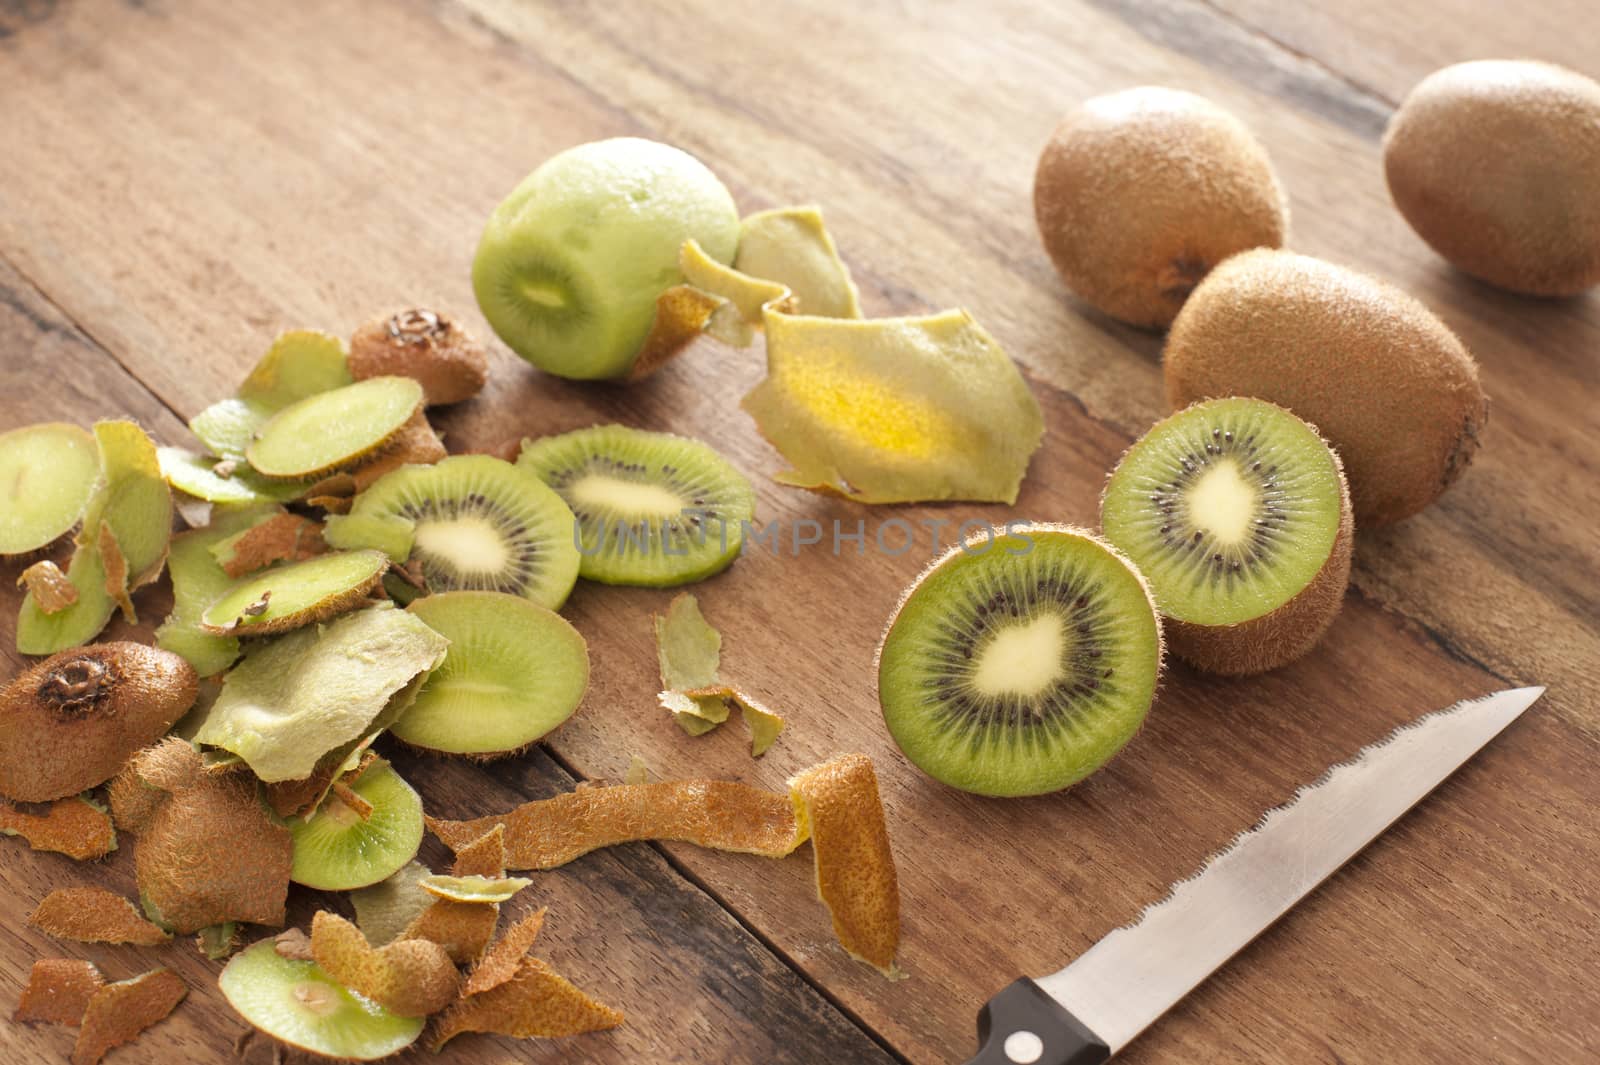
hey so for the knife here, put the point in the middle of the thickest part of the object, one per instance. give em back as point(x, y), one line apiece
point(1097, 1005)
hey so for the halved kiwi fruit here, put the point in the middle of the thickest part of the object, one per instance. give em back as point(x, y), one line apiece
point(46, 475)
point(1020, 663)
point(470, 522)
point(514, 671)
point(288, 596)
point(1237, 513)
point(570, 264)
point(652, 508)
point(336, 849)
point(298, 1004)
point(333, 430)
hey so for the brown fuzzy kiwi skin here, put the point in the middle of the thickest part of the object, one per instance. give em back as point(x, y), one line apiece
point(1496, 165)
point(1287, 633)
point(69, 723)
point(1385, 381)
point(1138, 194)
point(430, 347)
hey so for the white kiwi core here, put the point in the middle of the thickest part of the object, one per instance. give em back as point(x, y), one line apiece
point(1024, 658)
point(626, 497)
point(1223, 503)
point(471, 543)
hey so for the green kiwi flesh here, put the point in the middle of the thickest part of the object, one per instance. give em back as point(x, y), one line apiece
point(336, 850)
point(472, 522)
point(514, 671)
point(330, 431)
point(1020, 665)
point(1230, 508)
point(571, 263)
point(299, 364)
point(46, 475)
point(653, 509)
point(301, 1006)
point(197, 476)
point(288, 596)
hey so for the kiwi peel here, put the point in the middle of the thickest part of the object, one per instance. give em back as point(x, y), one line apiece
point(298, 364)
point(1238, 515)
point(1020, 665)
point(291, 700)
point(198, 580)
point(652, 509)
point(334, 430)
point(47, 473)
point(514, 671)
point(290, 596)
point(337, 849)
point(689, 652)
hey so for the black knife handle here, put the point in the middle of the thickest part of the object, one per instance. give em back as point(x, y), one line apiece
point(1057, 1037)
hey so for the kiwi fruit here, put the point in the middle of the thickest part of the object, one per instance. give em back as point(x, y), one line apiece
point(471, 522)
point(298, 1004)
point(299, 363)
point(571, 263)
point(223, 481)
point(334, 430)
point(1238, 515)
point(69, 723)
point(652, 508)
point(1018, 664)
point(288, 596)
point(1139, 193)
point(47, 473)
point(336, 849)
point(1496, 164)
point(514, 671)
point(1383, 380)
point(431, 348)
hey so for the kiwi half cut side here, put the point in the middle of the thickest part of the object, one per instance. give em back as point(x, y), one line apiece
point(514, 671)
point(337, 849)
point(1238, 514)
point(46, 475)
point(653, 509)
point(333, 430)
point(1019, 664)
point(470, 522)
point(289, 596)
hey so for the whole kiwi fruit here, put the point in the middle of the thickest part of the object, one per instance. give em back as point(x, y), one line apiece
point(1496, 164)
point(1139, 193)
point(1387, 383)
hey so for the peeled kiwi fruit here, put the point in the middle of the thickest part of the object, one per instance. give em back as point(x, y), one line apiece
point(334, 430)
point(570, 265)
point(1496, 164)
point(1019, 664)
point(1238, 515)
point(46, 474)
point(469, 522)
point(431, 348)
point(652, 508)
point(513, 672)
point(296, 1003)
point(288, 596)
point(69, 723)
point(1139, 193)
point(1383, 380)
point(337, 849)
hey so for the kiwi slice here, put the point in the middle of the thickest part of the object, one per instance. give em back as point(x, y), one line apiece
point(288, 596)
point(300, 363)
point(336, 849)
point(46, 475)
point(470, 522)
point(1238, 514)
point(333, 430)
point(652, 508)
point(1020, 664)
point(298, 1004)
point(222, 480)
point(514, 671)
point(570, 265)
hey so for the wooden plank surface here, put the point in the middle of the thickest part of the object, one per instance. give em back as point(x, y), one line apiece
point(184, 179)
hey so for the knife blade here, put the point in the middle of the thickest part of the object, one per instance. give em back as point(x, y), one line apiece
point(1090, 1010)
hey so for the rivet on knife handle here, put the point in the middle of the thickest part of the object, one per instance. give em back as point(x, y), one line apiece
point(1024, 1026)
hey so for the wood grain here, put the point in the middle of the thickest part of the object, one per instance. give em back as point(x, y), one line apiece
point(192, 178)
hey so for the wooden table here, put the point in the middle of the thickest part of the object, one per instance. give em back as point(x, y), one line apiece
point(180, 180)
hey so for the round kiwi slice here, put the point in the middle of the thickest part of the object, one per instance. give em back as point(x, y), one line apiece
point(652, 508)
point(514, 671)
point(298, 1004)
point(1237, 513)
point(570, 265)
point(470, 522)
point(333, 430)
point(46, 475)
point(337, 849)
point(1020, 663)
point(289, 596)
